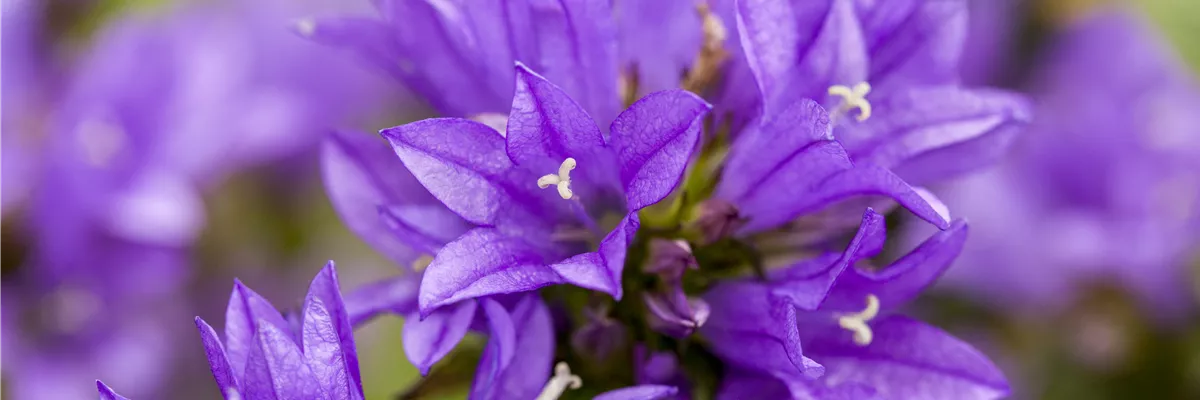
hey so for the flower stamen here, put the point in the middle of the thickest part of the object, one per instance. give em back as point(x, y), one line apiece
point(560, 382)
point(857, 322)
point(562, 180)
point(854, 97)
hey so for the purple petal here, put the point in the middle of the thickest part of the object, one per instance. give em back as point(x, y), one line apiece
point(530, 366)
point(370, 39)
point(328, 337)
point(483, 262)
point(930, 133)
point(751, 329)
point(276, 368)
point(774, 174)
point(427, 340)
point(678, 38)
point(911, 360)
point(654, 139)
point(578, 45)
point(546, 126)
point(395, 295)
point(361, 175)
point(740, 384)
point(463, 163)
point(640, 392)
point(799, 50)
point(222, 371)
point(762, 149)
point(601, 270)
point(905, 278)
point(106, 393)
point(501, 32)
point(806, 284)
point(914, 41)
point(436, 60)
point(501, 344)
point(246, 309)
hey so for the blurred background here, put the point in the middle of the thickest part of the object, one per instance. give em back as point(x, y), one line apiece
point(154, 150)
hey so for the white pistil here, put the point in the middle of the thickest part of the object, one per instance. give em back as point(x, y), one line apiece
point(857, 322)
point(560, 382)
point(854, 97)
point(562, 180)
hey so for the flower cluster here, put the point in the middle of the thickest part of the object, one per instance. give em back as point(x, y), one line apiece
point(699, 243)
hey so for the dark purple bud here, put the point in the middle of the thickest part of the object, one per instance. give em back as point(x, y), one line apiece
point(655, 367)
point(717, 219)
point(660, 368)
point(674, 314)
point(669, 258)
point(600, 336)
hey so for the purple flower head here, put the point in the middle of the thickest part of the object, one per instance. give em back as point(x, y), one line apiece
point(1105, 186)
point(887, 71)
point(544, 189)
point(262, 356)
point(842, 314)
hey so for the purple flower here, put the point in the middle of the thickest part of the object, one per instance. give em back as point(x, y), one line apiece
point(544, 189)
point(887, 71)
point(1105, 186)
point(842, 314)
point(64, 326)
point(789, 165)
point(263, 356)
point(459, 57)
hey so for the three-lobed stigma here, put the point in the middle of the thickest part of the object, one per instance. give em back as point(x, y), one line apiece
point(562, 380)
point(562, 180)
point(854, 97)
point(857, 322)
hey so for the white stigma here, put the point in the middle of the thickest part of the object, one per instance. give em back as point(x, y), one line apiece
point(562, 180)
point(560, 382)
point(857, 322)
point(854, 97)
point(306, 26)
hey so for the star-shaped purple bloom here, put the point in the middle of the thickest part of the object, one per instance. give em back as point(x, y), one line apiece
point(552, 175)
point(842, 314)
point(264, 356)
point(886, 70)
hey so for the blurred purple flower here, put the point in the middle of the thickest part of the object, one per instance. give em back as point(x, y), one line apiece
point(852, 345)
point(459, 57)
point(991, 40)
point(887, 70)
point(27, 96)
point(263, 356)
point(158, 110)
point(1105, 186)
